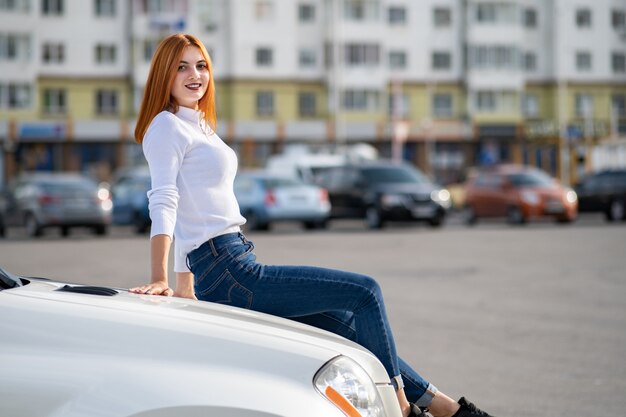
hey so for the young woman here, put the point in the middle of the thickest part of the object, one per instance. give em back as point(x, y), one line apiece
point(192, 200)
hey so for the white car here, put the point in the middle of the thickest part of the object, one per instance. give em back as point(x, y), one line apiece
point(71, 350)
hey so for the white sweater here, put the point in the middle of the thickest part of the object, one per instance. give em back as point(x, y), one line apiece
point(192, 198)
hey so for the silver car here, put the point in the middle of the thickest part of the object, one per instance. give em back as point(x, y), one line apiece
point(70, 350)
point(64, 200)
point(266, 198)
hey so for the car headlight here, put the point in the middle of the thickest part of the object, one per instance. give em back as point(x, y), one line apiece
point(441, 196)
point(346, 384)
point(390, 200)
point(530, 197)
point(570, 196)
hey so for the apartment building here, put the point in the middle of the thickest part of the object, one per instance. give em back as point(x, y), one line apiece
point(446, 84)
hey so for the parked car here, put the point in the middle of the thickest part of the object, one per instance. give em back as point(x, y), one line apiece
point(130, 199)
point(65, 200)
point(519, 193)
point(266, 198)
point(3, 207)
point(604, 191)
point(381, 191)
point(73, 350)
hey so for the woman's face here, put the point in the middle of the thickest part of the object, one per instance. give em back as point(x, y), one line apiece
point(192, 78)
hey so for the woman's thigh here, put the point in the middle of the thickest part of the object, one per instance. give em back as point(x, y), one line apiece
point(292, 291)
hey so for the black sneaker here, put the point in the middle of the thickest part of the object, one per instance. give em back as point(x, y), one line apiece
point(469, 410)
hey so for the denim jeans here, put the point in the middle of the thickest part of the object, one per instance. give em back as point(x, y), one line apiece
point(344, 303)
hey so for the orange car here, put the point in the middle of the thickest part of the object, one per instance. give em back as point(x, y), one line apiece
point(518, 193)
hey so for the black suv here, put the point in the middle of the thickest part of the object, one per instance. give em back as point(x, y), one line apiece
point(604, 191)
point(379, 191)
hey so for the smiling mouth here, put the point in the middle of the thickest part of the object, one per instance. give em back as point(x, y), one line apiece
point(194, 86)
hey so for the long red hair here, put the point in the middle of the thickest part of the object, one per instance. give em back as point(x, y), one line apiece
point(157, 94)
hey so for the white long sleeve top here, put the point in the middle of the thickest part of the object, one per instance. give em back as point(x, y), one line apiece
point(192, 173)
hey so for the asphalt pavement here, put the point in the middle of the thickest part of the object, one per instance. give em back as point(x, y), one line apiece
point(525, 321)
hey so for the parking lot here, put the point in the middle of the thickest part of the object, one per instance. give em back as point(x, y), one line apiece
point(524, 320)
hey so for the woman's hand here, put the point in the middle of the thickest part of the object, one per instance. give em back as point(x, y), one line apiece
point(154, 288)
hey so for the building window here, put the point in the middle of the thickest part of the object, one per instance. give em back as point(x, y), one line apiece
point(361, 100)
point(442, 105)
point(618, 19)
point(530, 105)
point(306, 13)
point(583, 18)
point(307, 58)
point(307, 104)
point(15, 96)
point(264, 10)
point(486, 101)
point(397, 60)
point(618, 105)
point(583, 61)
point(530, 18)
point(15, 5)
point(496, 102)
point(442, 17)
point(530, 61)
point(105, 54)
point(496, 13)
point(497, 57)
point(52, 7)
point(360, 54)
point(105, 8)
point(264, 103)
point(361, 10)
point(618, 62)
point(53, 53)
point(396, 15)
point(441, 60)
point(14, 47)
point(54, 101)
point(264, 57)
point(106, 102)
point(584, 105)
point(149, 47)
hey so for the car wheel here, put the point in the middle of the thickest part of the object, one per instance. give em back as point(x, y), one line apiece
point(317, 224)
point(373, 218)
point(101, 230)
point(33, 229)
point(437, 220)
point(616, 210)
point(3, 230)
point(514, 215)
point(254, 223)
point(469, 216)
point(65, 231)
point(141, 225)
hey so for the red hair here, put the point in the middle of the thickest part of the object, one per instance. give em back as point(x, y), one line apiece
point(157, 94)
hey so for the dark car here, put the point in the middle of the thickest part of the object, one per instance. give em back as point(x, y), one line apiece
point(381, 191)
point(130, 199)
point(3, 207)
point(65, 200)
point(604, 191)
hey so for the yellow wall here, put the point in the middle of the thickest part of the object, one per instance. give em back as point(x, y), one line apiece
point(81, 97)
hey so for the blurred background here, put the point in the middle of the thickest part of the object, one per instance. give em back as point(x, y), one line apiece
point(442, 84)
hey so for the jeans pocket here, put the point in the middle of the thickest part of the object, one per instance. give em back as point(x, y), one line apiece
point(225, 290)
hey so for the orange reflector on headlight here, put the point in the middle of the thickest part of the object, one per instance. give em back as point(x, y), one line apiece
point(340, 401)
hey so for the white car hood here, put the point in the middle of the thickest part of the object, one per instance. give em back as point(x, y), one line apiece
point(71, 355)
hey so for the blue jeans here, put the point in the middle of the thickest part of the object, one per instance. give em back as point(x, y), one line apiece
point(344, 303)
